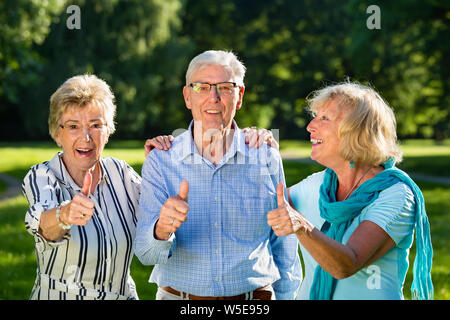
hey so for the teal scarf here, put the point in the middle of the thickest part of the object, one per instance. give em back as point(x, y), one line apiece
point(339, 215)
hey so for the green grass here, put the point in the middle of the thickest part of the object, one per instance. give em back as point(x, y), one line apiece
point(18, 261)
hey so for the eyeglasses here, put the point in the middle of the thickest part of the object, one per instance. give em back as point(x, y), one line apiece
point(76, 129)
point(223, 88)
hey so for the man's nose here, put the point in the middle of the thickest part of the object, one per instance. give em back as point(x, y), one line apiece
point(214, 93)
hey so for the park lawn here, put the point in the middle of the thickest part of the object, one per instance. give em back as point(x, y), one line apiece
point(18, 261)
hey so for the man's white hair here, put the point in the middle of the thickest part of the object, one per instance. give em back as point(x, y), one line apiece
point(228, 60)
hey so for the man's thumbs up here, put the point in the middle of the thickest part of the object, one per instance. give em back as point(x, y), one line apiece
point(280, 195)
point(173, 213)
point(184, 190)
point(87, 182)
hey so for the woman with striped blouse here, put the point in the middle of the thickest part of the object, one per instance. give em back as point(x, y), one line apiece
point(83, 208)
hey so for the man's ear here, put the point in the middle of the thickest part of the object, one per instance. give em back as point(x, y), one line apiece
point(241, 96)
point(187, 97)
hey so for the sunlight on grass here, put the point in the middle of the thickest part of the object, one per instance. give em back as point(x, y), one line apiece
point(295, 148)
point(17, 258)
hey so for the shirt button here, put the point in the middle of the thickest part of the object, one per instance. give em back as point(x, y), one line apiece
point(215, 198)
point(215, 224)
point(217, 279)
point(217, 251)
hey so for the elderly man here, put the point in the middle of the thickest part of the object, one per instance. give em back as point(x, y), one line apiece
point(203, 205)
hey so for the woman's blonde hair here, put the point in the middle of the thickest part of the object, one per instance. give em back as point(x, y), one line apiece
point(80, 91)
point(368, 134)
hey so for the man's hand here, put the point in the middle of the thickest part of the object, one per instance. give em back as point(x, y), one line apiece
point(173, 213)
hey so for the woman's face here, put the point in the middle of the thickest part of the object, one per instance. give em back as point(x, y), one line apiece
point(82, 136)
point(324, 134)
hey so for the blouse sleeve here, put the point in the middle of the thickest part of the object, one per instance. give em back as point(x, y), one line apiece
point(394, 212)
point(42, 191)
point(135, 180)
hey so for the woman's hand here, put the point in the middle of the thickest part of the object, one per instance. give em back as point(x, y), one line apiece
point(286, 220)
point(80, 210)
point(366, 245)
point(256, 137)
point(159, 142)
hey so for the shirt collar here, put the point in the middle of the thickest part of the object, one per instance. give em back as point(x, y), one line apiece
point(59, 169)
point(186, 146)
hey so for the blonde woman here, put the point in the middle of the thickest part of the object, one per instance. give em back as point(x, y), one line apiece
point(83, 207)
point(355, 220)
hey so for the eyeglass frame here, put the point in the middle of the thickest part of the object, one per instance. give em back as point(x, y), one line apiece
point(235, 85)
point(67, 127)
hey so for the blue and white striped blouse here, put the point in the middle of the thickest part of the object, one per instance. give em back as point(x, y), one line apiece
point(92, 261)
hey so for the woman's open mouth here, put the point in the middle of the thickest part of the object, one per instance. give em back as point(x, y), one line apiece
point(316, 141)
point(85, 152)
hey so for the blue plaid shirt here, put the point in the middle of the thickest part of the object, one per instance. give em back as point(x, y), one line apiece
point(225, 247)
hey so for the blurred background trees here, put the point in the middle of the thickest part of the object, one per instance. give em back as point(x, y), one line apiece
point(290, 48)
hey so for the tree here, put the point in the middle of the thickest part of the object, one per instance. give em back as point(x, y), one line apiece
point(407, 60)
point(23, 26)
point(290, 48)
point(130, 44)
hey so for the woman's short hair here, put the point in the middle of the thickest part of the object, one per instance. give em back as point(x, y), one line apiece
point(368, 134)
point(80, 91)
point(228, 60)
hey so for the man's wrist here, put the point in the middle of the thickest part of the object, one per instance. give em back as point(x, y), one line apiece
point(164, 236)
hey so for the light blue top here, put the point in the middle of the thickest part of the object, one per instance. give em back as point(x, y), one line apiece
point(225, 247)
point(393, 211)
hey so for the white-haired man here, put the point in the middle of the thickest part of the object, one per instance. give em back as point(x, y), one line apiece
point(216, 243)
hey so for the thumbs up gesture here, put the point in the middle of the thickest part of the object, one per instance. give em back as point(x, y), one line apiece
point(80, 210)
point(284, 220)
point(87, 183)
point(173, 213)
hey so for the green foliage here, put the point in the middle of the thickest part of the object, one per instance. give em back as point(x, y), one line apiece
point(130, 44)
point(24, 25)
point(407, 61)
point(290, 48)
point(294, 47)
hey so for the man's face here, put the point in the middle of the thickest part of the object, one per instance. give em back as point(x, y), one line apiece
point(213, 110)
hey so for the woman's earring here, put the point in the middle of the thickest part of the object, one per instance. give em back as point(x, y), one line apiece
point(352, 164)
